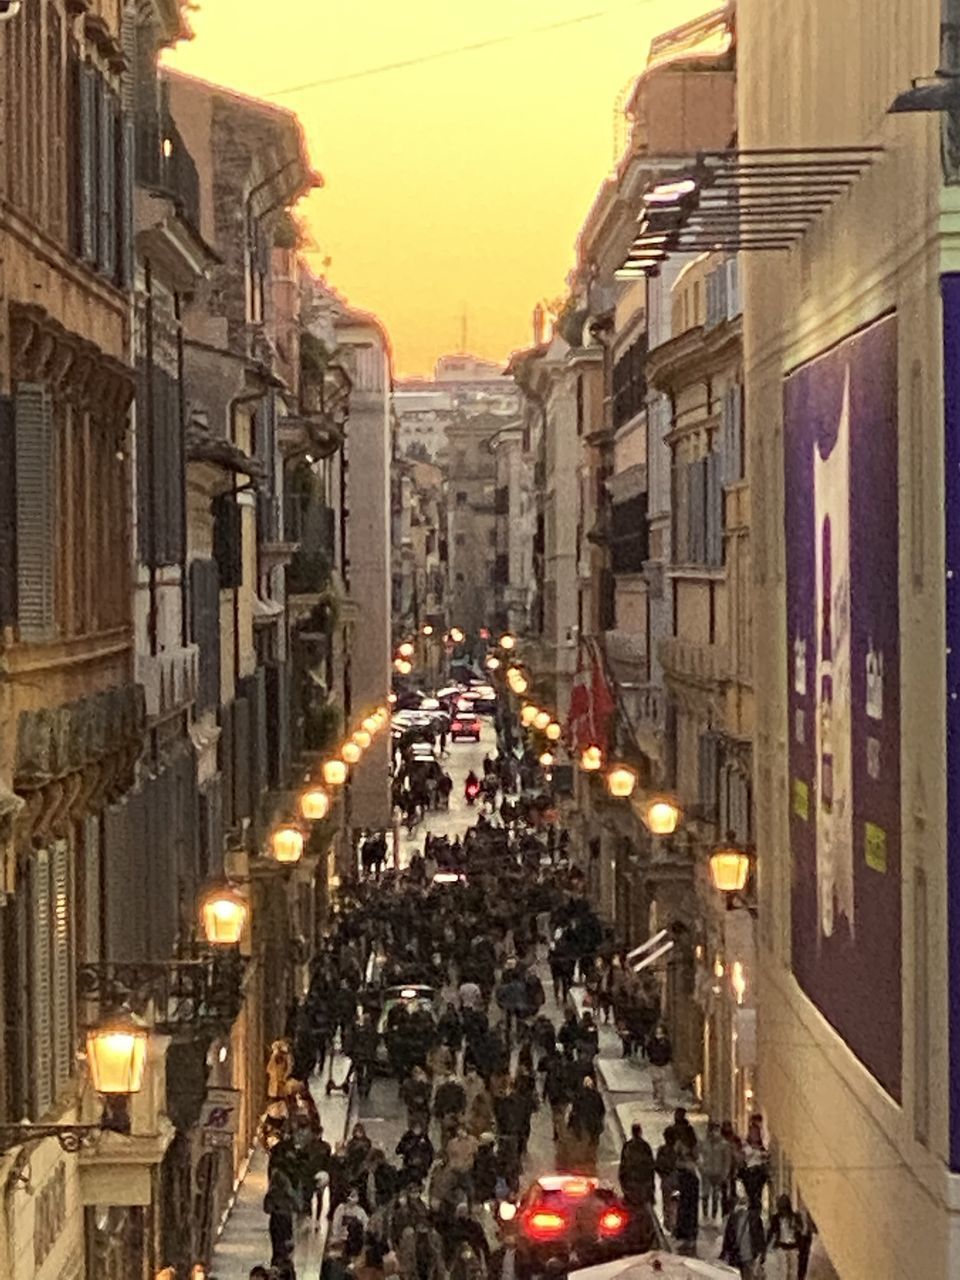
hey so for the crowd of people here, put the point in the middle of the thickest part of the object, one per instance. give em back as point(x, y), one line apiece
point(474, 1063)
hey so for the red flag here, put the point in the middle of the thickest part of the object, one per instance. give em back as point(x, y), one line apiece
point(591, 704)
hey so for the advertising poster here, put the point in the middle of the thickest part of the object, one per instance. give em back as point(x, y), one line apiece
point(841, 512)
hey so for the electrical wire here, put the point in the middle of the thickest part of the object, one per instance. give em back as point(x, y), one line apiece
point(455, 51)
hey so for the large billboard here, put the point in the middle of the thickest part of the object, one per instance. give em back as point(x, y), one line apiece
point(843, 635)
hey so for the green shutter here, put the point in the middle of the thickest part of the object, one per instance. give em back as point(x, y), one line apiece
point(35, 479)
point(41, 1023)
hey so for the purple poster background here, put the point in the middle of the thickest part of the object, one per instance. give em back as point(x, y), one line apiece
point(841, 513)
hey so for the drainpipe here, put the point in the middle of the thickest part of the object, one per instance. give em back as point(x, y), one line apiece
point(182, 409)
point(236, 403)
point(150, 533)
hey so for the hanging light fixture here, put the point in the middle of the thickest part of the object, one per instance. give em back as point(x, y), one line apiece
point(507, 641)
point(223, 914)
point(402, 666)
point(591, 760)
point(541, 720)
point(405, 650)
point(314, 804)
point(350, 753)
point(117, 1056)
point(286, 844)
point(546, 760)
point(334, 773)
point(553, 731)
point(621, 781)
point(729, 868)
point(363, 739)
point(426, 629)
point(528, 713)
point(371, 724)
point(492, 663)
point(456, 635)
point(661, 815)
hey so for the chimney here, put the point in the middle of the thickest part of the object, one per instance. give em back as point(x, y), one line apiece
point(538, 324)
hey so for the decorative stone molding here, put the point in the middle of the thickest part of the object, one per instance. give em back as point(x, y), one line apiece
point(77, 370)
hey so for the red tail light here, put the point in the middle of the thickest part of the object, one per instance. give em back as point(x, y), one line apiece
point(612, 1222)
point(456, 726)
point(544, 1224)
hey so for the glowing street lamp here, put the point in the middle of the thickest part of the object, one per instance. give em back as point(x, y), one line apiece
point(508, 642)
point(492, 663)
point(286, 844)
point(591, 760)
point(402, 666)
point(363, 739)
point(350, 753)
point(372, 724)
point(546, 760)
point(334, 773)
point(117, 1056)
point(553, 731)
point(729, 868)
point(541, 720)
point(621, 781)
point(661, 815)
point(405, 650)
point(314, 804)
point(456, 635)
point(223, 913)
point(426, 629)
point(528, 713)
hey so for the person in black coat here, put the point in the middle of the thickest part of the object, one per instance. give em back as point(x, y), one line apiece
point(587, 1111)
point(637, 1169)
point(416, 1151)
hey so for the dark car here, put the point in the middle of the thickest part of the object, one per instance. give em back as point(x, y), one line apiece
point(565, 1221)
point(465, 724)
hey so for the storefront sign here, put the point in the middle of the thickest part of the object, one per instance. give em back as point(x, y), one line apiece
point(843, 644)
point(220, 1117)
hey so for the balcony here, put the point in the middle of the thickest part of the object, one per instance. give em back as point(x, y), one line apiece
point(165, 166)
point(169, 680)
point(695, 663)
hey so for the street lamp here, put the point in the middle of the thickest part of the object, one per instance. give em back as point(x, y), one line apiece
point(508, 642)
point(426, 629)
point(729, 868)
point(493, 663)
point(350, 753)
point(528, 713)
point(314, 804)
point(286, 843)
point(117, 1056)
point(541, 720)
point(546, 760)
point(591, 760)
point(456, 635)
point(405, 650)
point(372, 724)
point(402, 666)
point(223, 914)
point(334, 773)
point(363, 739)
point(661, 815)
point(553, 731)
point(621, 781)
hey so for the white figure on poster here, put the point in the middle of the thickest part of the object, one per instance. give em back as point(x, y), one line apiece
point(833, 721)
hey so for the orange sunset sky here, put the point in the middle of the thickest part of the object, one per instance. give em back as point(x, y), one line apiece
point(456, 184)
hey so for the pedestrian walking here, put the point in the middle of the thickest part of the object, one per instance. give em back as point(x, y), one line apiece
point(754, 1169)
point(660, 1056)
point(744, 1243)
point(716, 1169)
point(637, 1169)
point(783, 1241)
point(666, 1167)
point(587, 1112)
point(688, 1198)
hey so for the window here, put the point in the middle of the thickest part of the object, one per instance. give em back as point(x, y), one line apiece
point(698, 512)
point(708, 774)
point(36, 487)
point(461, 498)
point(629, 382)
point(227, 540)
point(732, 442)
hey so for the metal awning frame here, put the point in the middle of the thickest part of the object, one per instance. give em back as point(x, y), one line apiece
point(755, 199)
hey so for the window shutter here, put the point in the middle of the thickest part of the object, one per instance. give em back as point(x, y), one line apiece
point(107, 182)
point(205, 630)
point(714, 508)
point(126, 166)
point(227, 531)
point(696, 511)
point(62, 966)
point(708, 774)
point(35, 481)
point(733, 288)
point(8, 514)
point(88, 163)
point(41, 1026)
point(736, 400)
